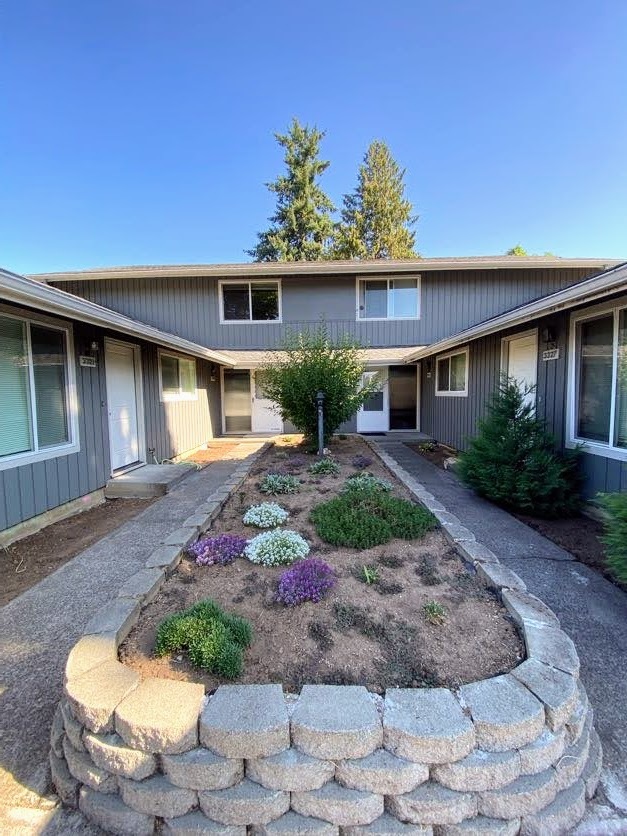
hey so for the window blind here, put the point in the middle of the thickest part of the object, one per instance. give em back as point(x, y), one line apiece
point(16, 434)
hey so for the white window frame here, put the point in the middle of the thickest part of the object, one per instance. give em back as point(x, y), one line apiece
point(167, 397)
point(461, 393)
point(71, 402)
point(388, 279)
point(597, 448)
point(250, 283)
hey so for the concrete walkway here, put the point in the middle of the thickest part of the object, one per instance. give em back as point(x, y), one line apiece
point(591, 609)
point(37, 630)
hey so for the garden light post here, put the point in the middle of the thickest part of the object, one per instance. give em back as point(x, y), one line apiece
point(320, 402)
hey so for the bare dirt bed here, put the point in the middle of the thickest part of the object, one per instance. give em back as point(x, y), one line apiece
point(211, 453)
point(437, 454)
point(26, 562)
point(375, 635)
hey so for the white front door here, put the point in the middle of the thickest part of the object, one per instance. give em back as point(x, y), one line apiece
point(374, 414)
point(521, 361)
point(122, 403)
point(265, 418)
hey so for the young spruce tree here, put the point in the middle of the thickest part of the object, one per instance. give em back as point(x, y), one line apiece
point(512, 461)
point(377, 220)
point(301, 225)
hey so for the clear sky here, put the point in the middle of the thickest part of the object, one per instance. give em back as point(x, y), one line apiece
point(141, 131)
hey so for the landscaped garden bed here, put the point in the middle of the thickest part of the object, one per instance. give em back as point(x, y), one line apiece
point(511, 753)
point(406, 612)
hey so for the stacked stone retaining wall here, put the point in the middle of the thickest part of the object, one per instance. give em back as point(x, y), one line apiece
point(512, 754)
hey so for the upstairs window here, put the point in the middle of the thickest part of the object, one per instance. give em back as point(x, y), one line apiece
point(452, 374)
point(389, 298)
point(178, 378)
point(35, 391)
point(250, 301)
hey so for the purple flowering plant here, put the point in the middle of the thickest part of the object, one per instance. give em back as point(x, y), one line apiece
point(219, 550)
point(307, 580)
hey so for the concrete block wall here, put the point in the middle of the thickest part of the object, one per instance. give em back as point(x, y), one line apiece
point(513, 754)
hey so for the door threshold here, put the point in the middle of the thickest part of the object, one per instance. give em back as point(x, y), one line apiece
point(120, 471)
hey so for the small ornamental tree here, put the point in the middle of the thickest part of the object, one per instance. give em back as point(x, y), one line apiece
point(311, 362)
point(512, 461)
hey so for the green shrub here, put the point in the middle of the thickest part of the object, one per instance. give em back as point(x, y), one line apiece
point(276, 483)
point(512, 461)
point(310, 362)
point(364, 519)
point(212, 638)
point(616, 533)
point(325, 466)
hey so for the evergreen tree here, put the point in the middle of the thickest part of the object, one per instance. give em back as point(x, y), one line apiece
point(301, 225)
point(512, 460)
point(377, 218)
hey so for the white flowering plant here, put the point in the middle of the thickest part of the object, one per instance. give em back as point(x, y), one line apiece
point(265, 515)
point(279, 547)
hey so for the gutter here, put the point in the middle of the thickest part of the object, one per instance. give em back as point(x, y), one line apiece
point(327, 268)
point(23, 291)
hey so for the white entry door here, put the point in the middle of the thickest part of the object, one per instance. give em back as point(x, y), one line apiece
point(520, 361)
point(122, 403)
point(374, 415)
point(264, 417)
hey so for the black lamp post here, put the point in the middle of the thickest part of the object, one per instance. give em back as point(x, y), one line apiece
point(320, 404)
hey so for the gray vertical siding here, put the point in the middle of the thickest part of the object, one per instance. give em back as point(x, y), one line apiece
point(453, 421)
point(450, 301)
point(171, 428)
point(174, 427)
point(32, 489)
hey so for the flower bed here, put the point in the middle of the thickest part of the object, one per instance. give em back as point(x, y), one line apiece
point(373, 633)
point(514, 753)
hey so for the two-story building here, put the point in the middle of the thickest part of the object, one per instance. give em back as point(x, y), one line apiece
point(101, 370)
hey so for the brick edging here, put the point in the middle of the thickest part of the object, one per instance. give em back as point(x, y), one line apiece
point(518, 748)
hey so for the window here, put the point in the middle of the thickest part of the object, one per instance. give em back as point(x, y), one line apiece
point(388, 298)
point(250, 301)
point(599, 373)
point(178, 378)
point(452, 374)
point(36, 386)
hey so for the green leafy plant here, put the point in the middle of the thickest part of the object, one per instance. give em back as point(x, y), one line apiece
point(213, 639)
point(364, 519)
point(325, 466)
point(434, 612)
point(615, 537)
point(369, 574)
point(277, 483)
point(427, 447)
point(512, 461)
point(309, 362)
point(278, 547)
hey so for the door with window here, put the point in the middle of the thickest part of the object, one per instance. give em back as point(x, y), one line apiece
point(520, 361)
point(122, 386)
point(265, 418)
point(373, 416)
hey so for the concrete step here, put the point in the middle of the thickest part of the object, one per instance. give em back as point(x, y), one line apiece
point(147, 481)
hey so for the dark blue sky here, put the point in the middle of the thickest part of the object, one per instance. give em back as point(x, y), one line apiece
point(140, 131)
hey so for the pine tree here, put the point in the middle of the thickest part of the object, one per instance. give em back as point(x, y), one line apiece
point(512, 460)
point(301, 225)
point(377, 218)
